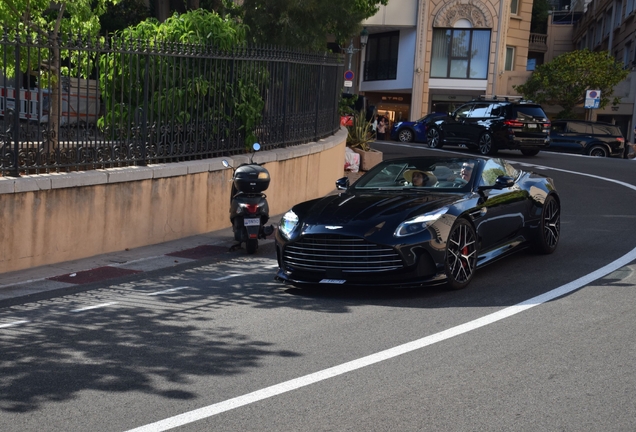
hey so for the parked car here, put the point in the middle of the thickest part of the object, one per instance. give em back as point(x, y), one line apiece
point(585, 137)
point(412, 131)
point(418, 221)
point(488, 125)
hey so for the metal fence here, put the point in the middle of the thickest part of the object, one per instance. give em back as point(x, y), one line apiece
point(125, 103)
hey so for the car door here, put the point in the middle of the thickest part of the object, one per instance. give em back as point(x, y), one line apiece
point(503, 211)
point(476, 123)
point(570, 137)
point(454, 125)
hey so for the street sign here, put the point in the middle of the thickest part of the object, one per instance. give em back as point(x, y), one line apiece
point(348, 83)
point(592, 99)
point(348, 75)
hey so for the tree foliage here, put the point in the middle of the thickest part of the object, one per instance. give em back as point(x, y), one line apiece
point(540, 15)
point(565, 79)
point(46, 21)
point(177, 84)
point(307, 23)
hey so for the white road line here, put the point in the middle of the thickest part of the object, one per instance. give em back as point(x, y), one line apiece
point(167, 291)
point(13, 324)
point(228, 276)
point(287, 386)
point(94, 307)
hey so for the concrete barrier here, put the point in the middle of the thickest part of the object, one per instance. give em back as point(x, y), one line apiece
point(52, 218)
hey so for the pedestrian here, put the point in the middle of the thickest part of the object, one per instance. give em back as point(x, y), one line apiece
point(381, 128)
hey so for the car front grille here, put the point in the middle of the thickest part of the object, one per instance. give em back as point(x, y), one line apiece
point(336, 252)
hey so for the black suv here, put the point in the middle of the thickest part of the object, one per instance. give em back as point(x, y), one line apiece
point(585, 137)
point(488, 125)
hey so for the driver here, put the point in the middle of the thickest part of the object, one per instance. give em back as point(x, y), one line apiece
point(420, 178)
point(467, 170)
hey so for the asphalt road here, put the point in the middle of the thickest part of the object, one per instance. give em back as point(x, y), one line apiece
point(223, 347)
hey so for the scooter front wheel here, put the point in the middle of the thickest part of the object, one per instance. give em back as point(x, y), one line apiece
point(251, 245)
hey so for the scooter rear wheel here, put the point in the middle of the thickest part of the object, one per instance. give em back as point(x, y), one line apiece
point(251, 245)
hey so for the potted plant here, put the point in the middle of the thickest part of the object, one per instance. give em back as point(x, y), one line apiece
point(359, 135)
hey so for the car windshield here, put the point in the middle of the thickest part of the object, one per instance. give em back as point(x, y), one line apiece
point(421, 174)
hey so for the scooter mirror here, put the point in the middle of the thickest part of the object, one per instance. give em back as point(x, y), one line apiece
point(225, 163)
point(256, 146)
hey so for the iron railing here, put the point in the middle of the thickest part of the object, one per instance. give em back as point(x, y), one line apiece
point(136, 103)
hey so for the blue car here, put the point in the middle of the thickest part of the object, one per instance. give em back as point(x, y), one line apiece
point(412, 131)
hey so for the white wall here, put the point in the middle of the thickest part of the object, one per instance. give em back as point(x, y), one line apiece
point(406, 60)
point(396, 13)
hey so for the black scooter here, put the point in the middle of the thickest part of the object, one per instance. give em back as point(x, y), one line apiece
point(249, 211)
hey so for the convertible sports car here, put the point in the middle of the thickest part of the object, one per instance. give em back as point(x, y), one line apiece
point(418, 221)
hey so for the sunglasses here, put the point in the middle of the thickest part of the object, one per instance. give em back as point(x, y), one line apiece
point(467, 168)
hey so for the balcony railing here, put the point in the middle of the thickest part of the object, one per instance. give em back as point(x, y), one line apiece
point(538, 42)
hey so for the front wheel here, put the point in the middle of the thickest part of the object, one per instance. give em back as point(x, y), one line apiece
point(549, 227)
point(486, 146)
point(433, 138)
point(405, 135)
point(461, 255)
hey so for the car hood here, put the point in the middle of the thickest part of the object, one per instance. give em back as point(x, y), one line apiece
point(363, 208)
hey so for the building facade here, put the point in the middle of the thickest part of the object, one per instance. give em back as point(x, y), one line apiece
point(426, 56)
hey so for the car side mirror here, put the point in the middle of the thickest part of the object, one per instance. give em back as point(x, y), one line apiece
point(502, 182)
point(342, 183)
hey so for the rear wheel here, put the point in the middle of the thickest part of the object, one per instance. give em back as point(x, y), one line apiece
point(529, 152)
point(598, 151)
point(550, 227)
point(405, 135)
point(251, 245)
point(461, 255)
point(486, 146)
point(433, 138)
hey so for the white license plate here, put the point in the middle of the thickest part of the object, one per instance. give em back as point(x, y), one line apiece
point(531, 125)
point(333, 281)
point(252, 221)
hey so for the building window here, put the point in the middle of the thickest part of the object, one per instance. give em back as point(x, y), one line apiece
point(627, 53)
point(629, 7)
point(514, 7)
point(382, 56)
point(607, 23)
point(460, 53)
point(618, 9)
point(510, 58)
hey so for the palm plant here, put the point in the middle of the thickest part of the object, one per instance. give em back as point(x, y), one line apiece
point(361, 133)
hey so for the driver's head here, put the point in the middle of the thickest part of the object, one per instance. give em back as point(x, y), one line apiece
point(467, 170)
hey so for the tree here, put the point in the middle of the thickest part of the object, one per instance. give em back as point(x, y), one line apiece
point(48, 21)
point(225, 93)
point(565, 79)
point(306, 24)
point(540, 13)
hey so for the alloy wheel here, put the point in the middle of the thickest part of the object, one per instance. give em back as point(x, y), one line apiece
point(405, 135)
point(461, 255)
point(485, 145)
point(550, 224)
point(598, 151)
point(433, 139)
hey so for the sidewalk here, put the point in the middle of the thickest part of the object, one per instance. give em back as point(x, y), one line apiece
point(27, 283)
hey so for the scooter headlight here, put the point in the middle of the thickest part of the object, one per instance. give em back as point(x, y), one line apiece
point(419, 223)
point(287, 224)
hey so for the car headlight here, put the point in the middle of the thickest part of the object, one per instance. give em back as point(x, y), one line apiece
point(288, 222)
point(419, 223)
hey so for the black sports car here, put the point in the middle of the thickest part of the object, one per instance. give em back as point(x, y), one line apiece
point(418, 221)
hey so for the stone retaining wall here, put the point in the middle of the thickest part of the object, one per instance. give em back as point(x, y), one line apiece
point(52, 218)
